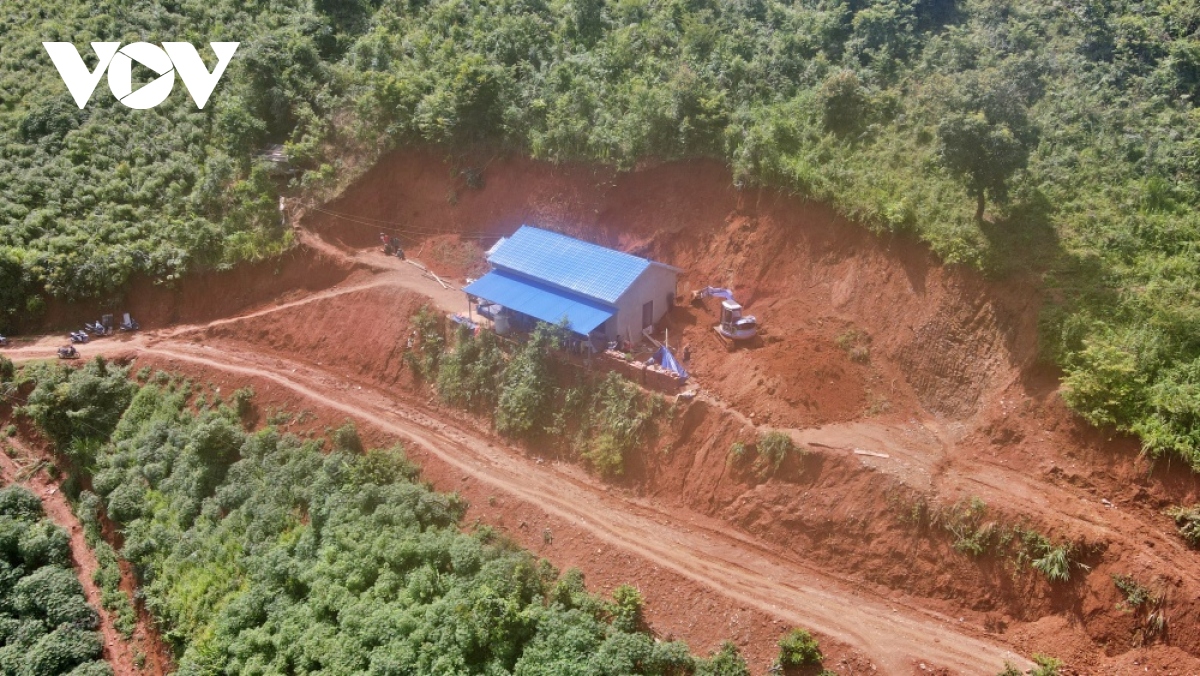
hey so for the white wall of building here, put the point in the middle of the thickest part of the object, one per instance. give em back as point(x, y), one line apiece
point(655, 285)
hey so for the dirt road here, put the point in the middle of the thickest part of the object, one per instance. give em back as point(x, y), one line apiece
point(702, 550)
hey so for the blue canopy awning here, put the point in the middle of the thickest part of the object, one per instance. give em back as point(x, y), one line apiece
point(540, 301)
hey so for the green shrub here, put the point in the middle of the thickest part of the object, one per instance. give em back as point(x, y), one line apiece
point(44, 544)
point(107, 575)
point(856, 344)
point(525, 407)
point(125, 503)
point(62, 650)
point(737, 452)
point(94, 668)
point(1146, 606)
point(773, 448)
point(727, 661)
point(427, 343)
point(1051, 560)
point(19, 502)
point(1135, 594)
point(242, 401)
point(965, 522)
point(627, 608)
point(1046, 665)
point(798, 648)
point(1054, 562)
point(345, 438)
point(1187, 520)
point(52, 593)
point(619, 418)
point(79, 403)
point(470, 375)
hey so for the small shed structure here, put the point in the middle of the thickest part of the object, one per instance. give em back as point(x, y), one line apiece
point(547, 276)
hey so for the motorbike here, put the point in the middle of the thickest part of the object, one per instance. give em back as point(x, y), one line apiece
point(68, 352)
point(391, 246)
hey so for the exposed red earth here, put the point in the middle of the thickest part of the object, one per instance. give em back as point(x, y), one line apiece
point(907, 381)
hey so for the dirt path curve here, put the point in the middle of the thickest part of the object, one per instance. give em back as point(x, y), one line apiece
point(119, 652)
point(703, 550)
point(387, 272)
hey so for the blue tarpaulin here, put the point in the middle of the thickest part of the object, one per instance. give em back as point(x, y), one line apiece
point(667, 361)
point(540, 301)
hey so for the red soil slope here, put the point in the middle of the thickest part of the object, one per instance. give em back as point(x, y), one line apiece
point(946, 336)
point(950, 389)
point(203, 296)
point(943, 382)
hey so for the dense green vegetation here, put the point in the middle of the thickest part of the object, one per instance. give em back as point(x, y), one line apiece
point(263, 553)
point(108, 571)
point(46, 625)
point(532, 394)
point(1005, 133)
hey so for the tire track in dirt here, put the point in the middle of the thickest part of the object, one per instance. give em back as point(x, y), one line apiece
point(119, 652)
point(704, 551)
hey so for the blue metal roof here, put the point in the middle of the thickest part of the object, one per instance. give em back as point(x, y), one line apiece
point(540, 301)
point(585, 268)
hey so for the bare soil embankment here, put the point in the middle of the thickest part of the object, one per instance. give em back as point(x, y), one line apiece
point(870, 345)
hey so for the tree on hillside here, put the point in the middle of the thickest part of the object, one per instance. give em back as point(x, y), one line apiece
point(986, 136)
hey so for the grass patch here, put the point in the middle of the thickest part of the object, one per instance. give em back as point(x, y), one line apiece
point(856, 344)
point(1187, 521)
point(973, 533)
point(1145, 604)
point(774, 448)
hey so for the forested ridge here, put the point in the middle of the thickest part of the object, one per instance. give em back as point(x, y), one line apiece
point(1060, 137)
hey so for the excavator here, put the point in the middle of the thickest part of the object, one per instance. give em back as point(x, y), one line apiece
point(734, 327)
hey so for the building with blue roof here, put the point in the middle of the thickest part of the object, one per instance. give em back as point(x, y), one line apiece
point(542, 275)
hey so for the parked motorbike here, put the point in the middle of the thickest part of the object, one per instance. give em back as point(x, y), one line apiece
point(391, 246)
